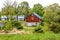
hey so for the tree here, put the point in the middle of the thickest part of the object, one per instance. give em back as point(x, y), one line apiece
point(30, 10)
point(8, 9)
point(52, 16)
point(15, 5)
point(23, 8)
point(38, 8)
point(9, 12)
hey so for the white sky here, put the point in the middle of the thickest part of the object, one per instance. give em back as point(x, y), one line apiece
point(32, 2)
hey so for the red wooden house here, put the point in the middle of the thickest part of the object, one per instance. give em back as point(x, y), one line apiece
point(33, 19)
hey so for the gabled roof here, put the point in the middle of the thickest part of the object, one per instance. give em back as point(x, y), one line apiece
point(37, 15)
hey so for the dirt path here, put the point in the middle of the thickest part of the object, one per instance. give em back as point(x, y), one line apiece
point(15, 31)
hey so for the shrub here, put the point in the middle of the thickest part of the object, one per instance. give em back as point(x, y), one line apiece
point(17, 25)
point(55, 28)
point(20, 27)
point(38, 30)
point(42, 23)
point(8, 26)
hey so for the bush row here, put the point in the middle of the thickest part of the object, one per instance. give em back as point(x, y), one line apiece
point(9, 25)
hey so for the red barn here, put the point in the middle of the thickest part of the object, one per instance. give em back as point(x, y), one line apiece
point(33, 19)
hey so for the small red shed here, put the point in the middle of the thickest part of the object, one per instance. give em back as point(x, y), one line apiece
point(33, 19)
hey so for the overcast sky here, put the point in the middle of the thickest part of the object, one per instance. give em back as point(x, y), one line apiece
point(32, 2)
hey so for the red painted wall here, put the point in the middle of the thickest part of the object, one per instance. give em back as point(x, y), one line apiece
point(32, 18)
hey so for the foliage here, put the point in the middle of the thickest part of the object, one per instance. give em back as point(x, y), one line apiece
point(55, 28)
point(52, 17)
point(38, 30)
point(17, 24)
point(8, 27)
point(38, 9)
point(23, 8)
point(8, 9)
point(30, 10)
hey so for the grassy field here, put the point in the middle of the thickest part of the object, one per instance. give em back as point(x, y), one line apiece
point(35, 36)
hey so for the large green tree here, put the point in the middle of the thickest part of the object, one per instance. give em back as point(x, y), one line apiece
point(52, 13)
point(8, 9)
point(23, 8)
point(52, 16)
point(38, 8)
point(9, 12)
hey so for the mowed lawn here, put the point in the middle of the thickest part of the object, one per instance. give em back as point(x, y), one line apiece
point(34, 36)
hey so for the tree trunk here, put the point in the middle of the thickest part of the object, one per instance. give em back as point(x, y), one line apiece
point(16, 17)
point(9, 17)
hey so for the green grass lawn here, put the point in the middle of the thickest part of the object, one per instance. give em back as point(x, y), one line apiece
point(35, 36)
